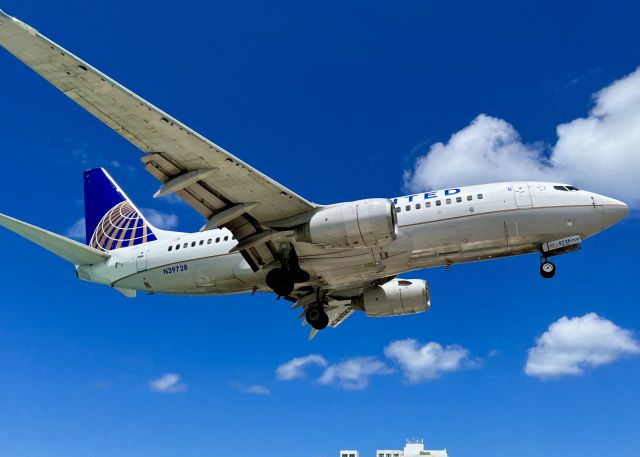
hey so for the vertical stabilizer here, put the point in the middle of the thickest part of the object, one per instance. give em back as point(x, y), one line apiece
point(112, 220)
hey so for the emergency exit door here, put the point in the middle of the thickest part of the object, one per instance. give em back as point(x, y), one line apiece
point(522, 194)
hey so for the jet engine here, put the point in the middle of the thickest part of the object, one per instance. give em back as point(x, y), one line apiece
point(360, 224)
point(395, 298)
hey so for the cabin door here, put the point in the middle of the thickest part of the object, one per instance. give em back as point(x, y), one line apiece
point(522, 194)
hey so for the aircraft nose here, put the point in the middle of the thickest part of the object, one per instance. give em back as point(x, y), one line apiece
point(614, 211)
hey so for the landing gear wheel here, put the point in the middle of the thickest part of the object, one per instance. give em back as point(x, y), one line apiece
point(300, 276)
point(280, 281)
point(317, 318)
point(547, 269)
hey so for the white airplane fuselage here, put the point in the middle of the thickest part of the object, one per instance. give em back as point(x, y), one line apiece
point(437, 228)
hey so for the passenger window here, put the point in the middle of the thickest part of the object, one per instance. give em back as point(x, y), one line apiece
point(417, 205)
point(218, 240)
point(226, 238)
point(427, 205)
point(448, 201)
point(193, 243)
point(209, 241)
point(458, 199)
point(438, 203)
point(469, 198)
point(479, 196)
point(201, 242)
point(407, 208)
point(177, 247)
point(170, 248)
point(398, 209)
point(185, 245)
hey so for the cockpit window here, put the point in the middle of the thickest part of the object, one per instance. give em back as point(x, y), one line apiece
point(566, 188)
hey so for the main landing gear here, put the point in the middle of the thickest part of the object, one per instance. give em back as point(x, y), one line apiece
point(547, 269)
point(316, 317)
point(280, 281)
point(283, 280)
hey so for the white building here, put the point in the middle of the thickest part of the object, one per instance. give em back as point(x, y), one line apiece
point(349, 453)
point(412, 448)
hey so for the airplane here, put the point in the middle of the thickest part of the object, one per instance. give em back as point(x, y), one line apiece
point(329, 260)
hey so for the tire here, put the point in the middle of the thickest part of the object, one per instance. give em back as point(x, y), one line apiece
point(324, 322)
point(280, 282)
point(301, 276)
point(547, 270)
point(317, 318)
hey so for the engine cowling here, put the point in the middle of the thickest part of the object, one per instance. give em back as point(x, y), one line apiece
point(360, 224)
point(395, 298)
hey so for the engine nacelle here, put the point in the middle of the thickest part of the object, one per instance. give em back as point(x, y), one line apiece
point(395, 298)
point(360, 224)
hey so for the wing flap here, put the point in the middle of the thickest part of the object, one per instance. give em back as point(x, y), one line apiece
point(70, 250)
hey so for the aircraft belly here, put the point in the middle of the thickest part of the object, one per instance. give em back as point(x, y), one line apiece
point(210, 275)
point(498, 234)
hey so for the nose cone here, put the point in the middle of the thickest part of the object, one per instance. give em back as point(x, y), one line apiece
point(614, 211)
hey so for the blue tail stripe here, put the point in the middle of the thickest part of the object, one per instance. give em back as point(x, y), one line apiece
point(104, 206)
point(100, 195)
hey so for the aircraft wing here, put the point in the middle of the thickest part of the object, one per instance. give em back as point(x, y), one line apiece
point(221, 187)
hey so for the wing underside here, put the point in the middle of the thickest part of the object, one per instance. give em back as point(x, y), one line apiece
point(222, 188)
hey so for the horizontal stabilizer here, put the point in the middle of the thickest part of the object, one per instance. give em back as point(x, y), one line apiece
point(70, 250)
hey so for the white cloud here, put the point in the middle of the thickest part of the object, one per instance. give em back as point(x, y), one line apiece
point(600, 152)
point(572, 344)
point(255, 389)
point(173, 199)
point(354, 374)
point(295, 368)
point(77, 230)
point(160, 219)
point(487, 150)
point(79, 149)
point(425, 362)
point(169, 383)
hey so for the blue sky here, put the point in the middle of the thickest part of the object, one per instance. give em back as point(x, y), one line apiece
point(338, 102)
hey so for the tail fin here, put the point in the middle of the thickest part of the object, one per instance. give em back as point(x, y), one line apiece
point(112, 221)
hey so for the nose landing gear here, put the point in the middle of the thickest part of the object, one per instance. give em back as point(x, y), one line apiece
point(547, 269)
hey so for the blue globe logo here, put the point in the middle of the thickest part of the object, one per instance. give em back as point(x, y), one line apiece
point(122, 226)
